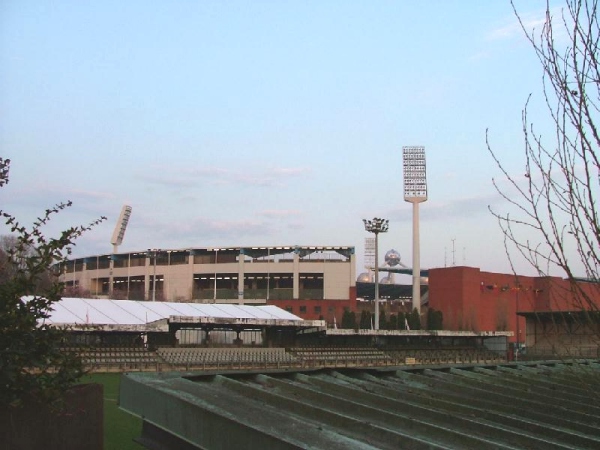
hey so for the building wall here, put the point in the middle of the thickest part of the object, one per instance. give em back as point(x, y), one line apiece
point(312, 309)
point(471, 299)
point(565, 336)
point(175, 277)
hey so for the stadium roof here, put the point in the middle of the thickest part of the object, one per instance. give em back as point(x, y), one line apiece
point(143, 315)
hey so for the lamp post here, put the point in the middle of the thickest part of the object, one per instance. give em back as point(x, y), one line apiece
point(376, 226)
point(415, 192)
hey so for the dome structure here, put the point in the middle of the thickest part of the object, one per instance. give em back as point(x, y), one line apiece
point(365, 277)
point(387, 280)
point(392, 258)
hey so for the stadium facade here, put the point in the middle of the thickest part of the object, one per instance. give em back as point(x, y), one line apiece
point(319, 283)
point(313, 281)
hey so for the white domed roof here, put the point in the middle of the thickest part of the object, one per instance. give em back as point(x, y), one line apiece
point(365, 277)
point(387, 280)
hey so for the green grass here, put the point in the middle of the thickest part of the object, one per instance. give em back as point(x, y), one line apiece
point(120, 428)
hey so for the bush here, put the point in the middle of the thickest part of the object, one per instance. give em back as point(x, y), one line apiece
point(32, 361)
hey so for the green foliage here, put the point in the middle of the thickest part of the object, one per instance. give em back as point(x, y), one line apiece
point(365, 320)
point(414, 320)
point(31, 358)
point(401, 321)
point(383, 324)
point(349, 319)
point(435, 319)
point(392, 322)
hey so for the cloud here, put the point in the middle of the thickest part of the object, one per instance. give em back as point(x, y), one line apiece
point(201, 229)
point(168, 180)
point(28, 204)
point(186, 177)
point(280, 213)
point(530, 21)
point(291, 171)
point(461, 208)
point(467, 207)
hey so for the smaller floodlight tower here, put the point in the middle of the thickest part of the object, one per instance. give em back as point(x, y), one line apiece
point(415, 192)
point(119, 233)
point(376, 226)
point(367, 277)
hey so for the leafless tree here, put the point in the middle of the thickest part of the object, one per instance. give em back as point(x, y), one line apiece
point(13, 257)
point(553, 221)
point(554, 198)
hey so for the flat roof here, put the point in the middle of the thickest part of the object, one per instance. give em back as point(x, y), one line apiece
point(130, 315)
point(252, 251)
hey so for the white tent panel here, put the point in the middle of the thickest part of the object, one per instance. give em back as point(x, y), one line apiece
point(63, 315)
point(85, 311)
point(128, 312)
point(274, 312)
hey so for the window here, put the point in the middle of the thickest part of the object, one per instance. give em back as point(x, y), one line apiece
point(303, 309)
point(289, 309)
point(317, 310)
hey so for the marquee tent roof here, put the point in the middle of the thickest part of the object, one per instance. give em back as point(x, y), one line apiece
point(83, 311)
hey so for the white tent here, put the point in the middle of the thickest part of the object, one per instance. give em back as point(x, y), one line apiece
point(80, 311)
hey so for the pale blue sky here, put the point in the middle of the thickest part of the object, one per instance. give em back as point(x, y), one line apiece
point(226, 123)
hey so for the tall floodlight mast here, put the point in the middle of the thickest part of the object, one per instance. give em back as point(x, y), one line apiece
point(415, 192)
point(121, 226)
point(370, 254)
point(376, 226)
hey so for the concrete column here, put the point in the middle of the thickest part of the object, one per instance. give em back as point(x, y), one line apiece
point(110, 277)
point(296, 293)
point(241, 260)
point(190, 287)
point(147, 279)
point(416, 291)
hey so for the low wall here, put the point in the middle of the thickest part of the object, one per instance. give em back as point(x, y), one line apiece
point(77, 425)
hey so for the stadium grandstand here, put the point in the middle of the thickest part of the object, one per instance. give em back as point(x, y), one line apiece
point(240, 275)
point(126, 335)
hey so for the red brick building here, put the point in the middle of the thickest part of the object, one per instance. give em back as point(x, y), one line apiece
point(539, 310)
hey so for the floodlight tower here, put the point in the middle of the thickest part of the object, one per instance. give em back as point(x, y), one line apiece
point(370, 254)
point(120, 227)
point(376, 226)
point(415, 192)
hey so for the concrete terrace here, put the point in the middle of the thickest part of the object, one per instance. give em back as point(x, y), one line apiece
point(543, 405)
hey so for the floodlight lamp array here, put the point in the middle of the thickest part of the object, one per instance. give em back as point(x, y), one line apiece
point(376, 225)
point(415, 173)
point(119, 232)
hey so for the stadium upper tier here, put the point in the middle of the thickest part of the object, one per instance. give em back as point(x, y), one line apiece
point(223, 274)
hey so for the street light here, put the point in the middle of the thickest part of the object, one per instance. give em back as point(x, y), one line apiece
point(376, 226)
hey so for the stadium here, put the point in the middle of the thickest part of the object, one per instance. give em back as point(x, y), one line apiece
point(226, 275)
point(304, 385)
point(239, 347)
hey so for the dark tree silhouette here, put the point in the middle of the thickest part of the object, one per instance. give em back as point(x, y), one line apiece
point(32, 361)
